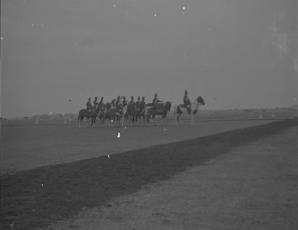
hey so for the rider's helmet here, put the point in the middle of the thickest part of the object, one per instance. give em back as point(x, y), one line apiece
point(155, 95)
point(143, 98)
point(185, 92)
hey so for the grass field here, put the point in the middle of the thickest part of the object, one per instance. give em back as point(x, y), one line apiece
point(38, 197)
point(252, 186)
point(26, 145)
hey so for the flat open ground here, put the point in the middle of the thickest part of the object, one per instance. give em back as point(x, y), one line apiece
point(45, 195)
point(27, 146)
point(250, 187)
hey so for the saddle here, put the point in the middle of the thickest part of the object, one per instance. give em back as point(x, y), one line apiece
point(187, 107)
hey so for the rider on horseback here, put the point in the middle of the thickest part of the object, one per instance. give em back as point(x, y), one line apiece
point(124, 102)
point(186, 102)
point(131, 106)
point(95, 103)
point(113, 104)
point(101, 101)
point(118, 104)
point(89, 105)
point(131, 102)
point(142, 103)
point(155, 101)
point(138, 103)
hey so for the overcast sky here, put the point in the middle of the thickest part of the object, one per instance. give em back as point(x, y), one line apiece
point(234, 53)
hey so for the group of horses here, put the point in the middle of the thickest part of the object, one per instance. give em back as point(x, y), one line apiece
point(132, 113)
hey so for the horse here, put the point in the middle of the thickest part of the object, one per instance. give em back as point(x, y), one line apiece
point(130, 114)
point(96, 112)
point(83, 113)
point(191, 110)
point(140, 112)
point(158, 109)
point(91, 114)
point(112, 114)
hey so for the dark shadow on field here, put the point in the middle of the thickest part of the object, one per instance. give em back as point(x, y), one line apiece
point(37, 197)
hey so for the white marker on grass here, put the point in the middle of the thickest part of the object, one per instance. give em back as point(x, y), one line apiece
point(118, 135)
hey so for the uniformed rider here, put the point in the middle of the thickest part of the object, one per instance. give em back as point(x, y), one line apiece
point(95, 103)
point(186, 101)
point(89, 105)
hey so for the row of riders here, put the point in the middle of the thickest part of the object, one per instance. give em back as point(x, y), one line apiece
point(120, 110)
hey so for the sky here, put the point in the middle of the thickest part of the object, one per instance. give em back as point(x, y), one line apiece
point(233, 53)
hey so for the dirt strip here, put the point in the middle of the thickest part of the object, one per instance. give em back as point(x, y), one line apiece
point(38, 197)
point(252, 187)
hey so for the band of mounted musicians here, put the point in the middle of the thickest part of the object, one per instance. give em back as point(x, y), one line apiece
point(121, 110)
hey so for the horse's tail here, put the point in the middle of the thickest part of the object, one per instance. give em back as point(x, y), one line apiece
point(80, 115)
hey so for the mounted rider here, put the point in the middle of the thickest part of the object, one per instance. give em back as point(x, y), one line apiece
point(118, 103)
point(131, 105)
point(155, 101)
point(113, 104)
point(124, 101)
point(101, 101)
point(138, 103)
point(89, 105)
point(132, 101)
point(186, 102)
point(95, 103)
point(142, 104)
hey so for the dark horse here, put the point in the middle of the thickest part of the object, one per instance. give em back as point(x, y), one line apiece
point(130, 113)
point(158, 109)
point(92, 115)
point(140, 112)
point(84, 113)
point(112, 114)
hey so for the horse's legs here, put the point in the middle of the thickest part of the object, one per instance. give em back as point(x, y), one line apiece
point(128, 120)
point(178, 119)
point(94, 120)
point(119, 121)
point(123, 120)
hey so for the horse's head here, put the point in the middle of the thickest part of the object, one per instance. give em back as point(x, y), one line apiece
point(200, 100)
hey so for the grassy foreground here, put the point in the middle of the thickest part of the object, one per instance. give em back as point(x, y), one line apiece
point(37, 197)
